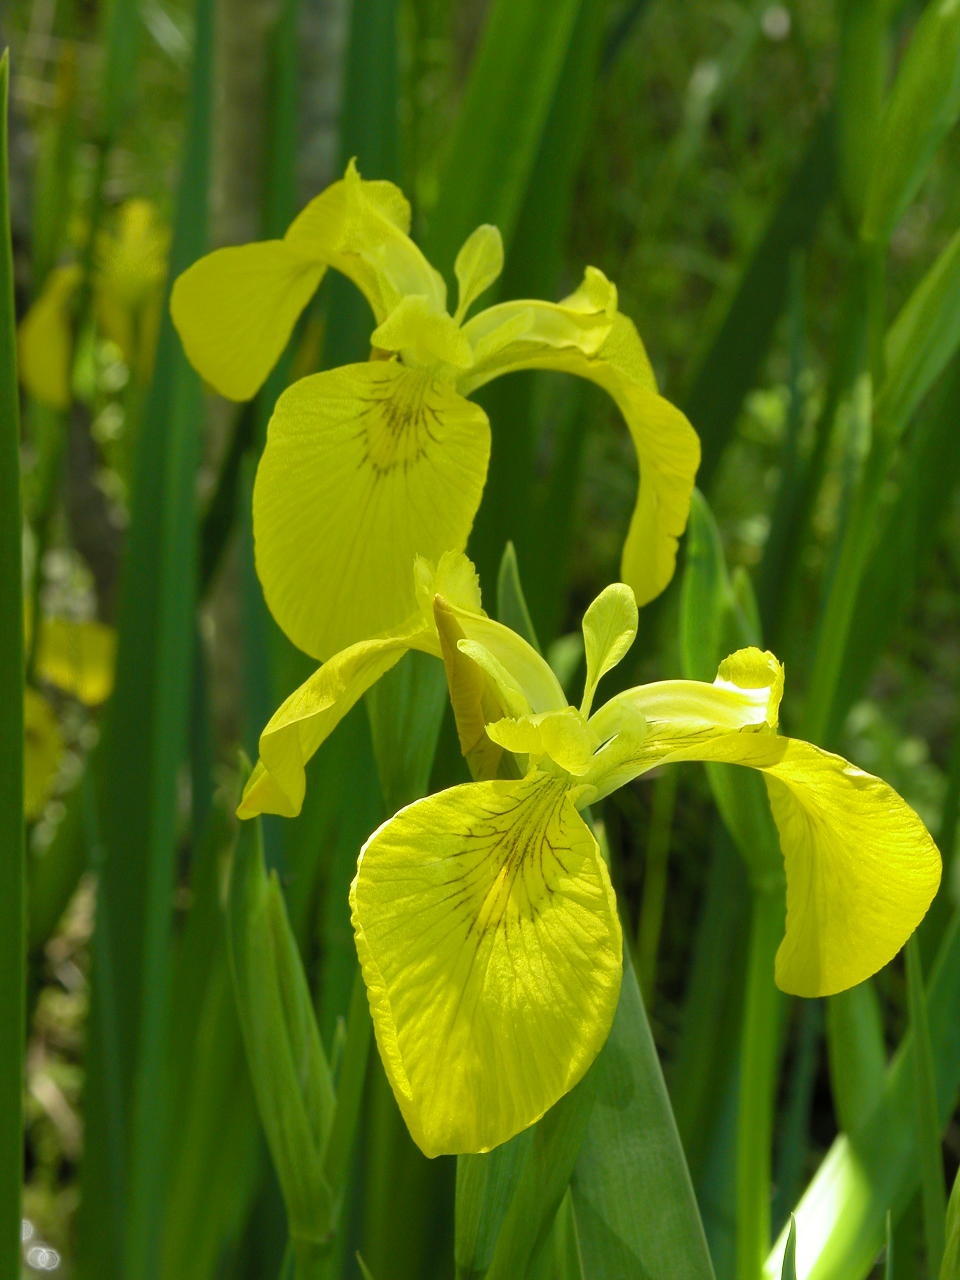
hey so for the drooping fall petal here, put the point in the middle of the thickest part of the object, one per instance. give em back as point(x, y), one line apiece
point(490, 945)
point(366, 467)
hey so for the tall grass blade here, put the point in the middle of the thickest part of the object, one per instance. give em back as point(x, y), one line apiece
point(841, 1216)
point(923, 106)
point(534, 263)
point(144, 743)
point(789, 1271)
point(731, 365)
point(921, 341)
point(12, 866)
point(933, 1193)
point(512, 83)
point(950, 1267)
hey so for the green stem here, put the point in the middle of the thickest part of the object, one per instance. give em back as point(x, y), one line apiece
point(653, 903)
point(758, 1068)
point(12, 867)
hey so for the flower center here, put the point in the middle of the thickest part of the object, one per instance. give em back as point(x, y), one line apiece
point(397, 422)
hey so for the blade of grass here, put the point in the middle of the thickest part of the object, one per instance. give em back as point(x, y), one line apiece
point(933, 1193)
point(789, 1271)
point(841, 1216)
point(950, 1269)
point(730, 367)
point(145, 735)
point(512, 83)
point(12, 865)
point(533, 268)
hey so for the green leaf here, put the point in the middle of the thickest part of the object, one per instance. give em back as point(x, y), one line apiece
point(632, 1197)
point(512, 608)
point(789, 1271)
point(12, 867)
point(485, 1187)
point(925, 1114)
point(861, 75)
point(922, 108)
point(509, 93)
point(732, 363)
point(143, 746)
point(841, 1216)
point(406, 707)
point(713, 622)
point(921, 341)
point(950, 1268)
point(288, 1069)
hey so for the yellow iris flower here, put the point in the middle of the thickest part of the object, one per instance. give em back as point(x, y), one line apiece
point(485, 920)
point(370, 465)
point(129, 271)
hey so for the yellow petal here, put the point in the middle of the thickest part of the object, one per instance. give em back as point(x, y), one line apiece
point(524, 677)
point(667, 447)
point(650, 724)
point(582, 322)
point(77, 657)
point(366, 467)
point(311, 713)
point(45, 345)
point(235, 310)
point(490, 946)
point(475, 697)
point(609, 629)
point(43, 747)
point(563, 736)
point(861, 868)
point(423, 335)
point(361, 229)
point(478, 264)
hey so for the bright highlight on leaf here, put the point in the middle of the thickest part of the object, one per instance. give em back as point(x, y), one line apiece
point(484, 917)
point(368, 466)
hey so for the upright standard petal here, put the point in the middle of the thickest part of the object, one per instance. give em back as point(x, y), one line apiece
point(365, 468)
point(361, 229)
point(565, 338)
point(609, 629)
point(489, 941)
point(235, 310)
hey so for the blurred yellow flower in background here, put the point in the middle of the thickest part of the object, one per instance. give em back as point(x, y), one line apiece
point(127, 293)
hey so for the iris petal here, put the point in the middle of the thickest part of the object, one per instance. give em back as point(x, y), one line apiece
point(667, 447)
point(490, 945)
point(235, 310)
point(365, 468)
